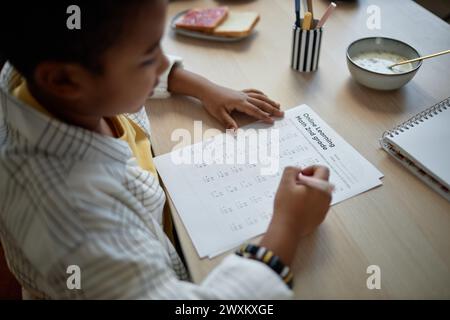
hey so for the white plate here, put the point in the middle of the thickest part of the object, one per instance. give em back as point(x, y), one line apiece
point(201, 35)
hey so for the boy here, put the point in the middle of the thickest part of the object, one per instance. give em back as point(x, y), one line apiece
point(78, 187)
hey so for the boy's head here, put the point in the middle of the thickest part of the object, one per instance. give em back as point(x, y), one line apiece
point(107, 67)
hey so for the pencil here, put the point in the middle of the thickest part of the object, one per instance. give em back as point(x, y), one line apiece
point(310, 8)
point(326, 15)
point(315, 183)
point(307, 19)
point(304, 6)
point(297, 13)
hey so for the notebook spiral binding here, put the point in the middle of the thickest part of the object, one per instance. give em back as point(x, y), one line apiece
point(418, 118)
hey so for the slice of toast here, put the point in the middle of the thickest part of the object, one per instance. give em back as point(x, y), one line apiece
point(237, 24)
point(205, 20)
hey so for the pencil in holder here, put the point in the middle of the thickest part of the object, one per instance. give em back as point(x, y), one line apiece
point(306, 48)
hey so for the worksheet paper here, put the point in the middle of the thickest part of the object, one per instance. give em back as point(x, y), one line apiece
point(224, 203)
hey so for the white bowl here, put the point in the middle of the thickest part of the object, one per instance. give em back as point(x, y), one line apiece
point(373, 77)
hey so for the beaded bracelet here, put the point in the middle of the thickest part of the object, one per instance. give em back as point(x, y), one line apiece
point(266, 256)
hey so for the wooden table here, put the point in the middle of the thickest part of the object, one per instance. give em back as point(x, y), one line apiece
point(402, 226)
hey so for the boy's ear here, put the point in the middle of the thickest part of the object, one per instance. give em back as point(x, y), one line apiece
point(61, 79)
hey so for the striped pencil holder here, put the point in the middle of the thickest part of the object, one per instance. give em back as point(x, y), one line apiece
point(306, 48)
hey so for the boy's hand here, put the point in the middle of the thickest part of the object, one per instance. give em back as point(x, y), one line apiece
point(301, 203)
point(220, 102)
point(300, 206)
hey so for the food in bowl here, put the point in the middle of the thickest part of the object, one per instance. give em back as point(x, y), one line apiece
point(368, 61)
point(380, 61)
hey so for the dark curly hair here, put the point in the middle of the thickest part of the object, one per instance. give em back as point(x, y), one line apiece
point(35, 31)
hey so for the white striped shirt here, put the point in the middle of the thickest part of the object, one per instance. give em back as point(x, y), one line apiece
point(69, 196)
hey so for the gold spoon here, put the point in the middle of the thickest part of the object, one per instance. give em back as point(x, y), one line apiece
point(420, 58)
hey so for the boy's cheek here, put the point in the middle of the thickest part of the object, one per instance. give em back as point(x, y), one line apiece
point(128, 94)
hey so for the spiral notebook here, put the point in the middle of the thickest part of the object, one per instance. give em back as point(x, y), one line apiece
point(422, 144)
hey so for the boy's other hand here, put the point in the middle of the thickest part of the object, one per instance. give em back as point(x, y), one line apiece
point(220, 102)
